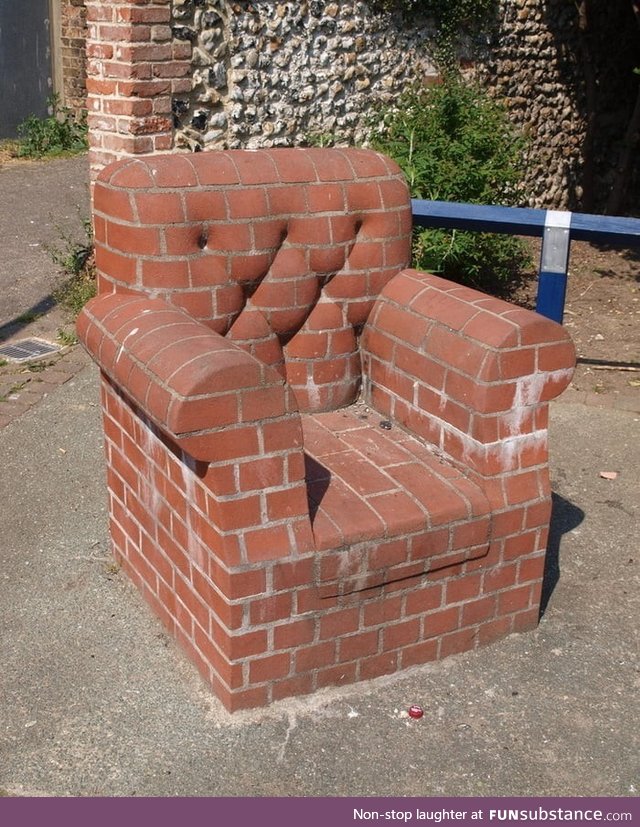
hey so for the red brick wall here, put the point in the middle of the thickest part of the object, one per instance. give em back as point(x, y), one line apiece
point(73, 24)
point(133, 68)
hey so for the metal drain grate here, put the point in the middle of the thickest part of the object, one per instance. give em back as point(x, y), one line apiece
point(27, 349)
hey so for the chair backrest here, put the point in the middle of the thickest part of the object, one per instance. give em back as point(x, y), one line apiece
point(283, 251)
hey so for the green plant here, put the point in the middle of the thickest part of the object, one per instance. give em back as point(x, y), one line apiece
point(67, 336)
point(455, 143)
point(76, 261)
point(319, 139)
point(62, 132)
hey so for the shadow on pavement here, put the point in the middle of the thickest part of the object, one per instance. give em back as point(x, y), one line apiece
point(36, 310)
point(565, 516)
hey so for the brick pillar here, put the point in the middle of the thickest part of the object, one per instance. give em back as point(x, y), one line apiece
point(133, 69)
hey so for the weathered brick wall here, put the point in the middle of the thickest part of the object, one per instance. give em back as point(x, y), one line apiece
point(134, 69)
point(73, 25)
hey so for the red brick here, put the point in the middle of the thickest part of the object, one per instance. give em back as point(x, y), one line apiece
point(294, 633)
point(463, 588)
point(229, 672)
point(531, 569)
point(538, 514)
point(267, 543)
point(269, 609)
point(359, 645)
point(337, 624)
point(382, 611)
point(500, 578)
point(458, 642)
point(514, 600)
point(247, 643)
point(246, 203)
point(383, 664)
point(291, 574)
point(340, 675)
point(115, 265)
point(424, 599)
point(261, 473)
point(440, 622)
point(522, 487)
point(245, 699)
point(423, 652)
point(492, 330)
point(298, 685)
point(192, 602)
point(271, 668)
point(479, 611)
point(520, 544)
point(400, 635)
point(314, 657)
point(556, 356)
point(131, 239)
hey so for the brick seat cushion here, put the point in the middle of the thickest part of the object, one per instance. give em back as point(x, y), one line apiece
point(366, 483)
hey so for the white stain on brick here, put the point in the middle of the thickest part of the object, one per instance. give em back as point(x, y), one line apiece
point(529, 389)
point(194, 548)
point(124, 341)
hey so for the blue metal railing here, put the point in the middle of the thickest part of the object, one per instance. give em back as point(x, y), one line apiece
point(556, 229)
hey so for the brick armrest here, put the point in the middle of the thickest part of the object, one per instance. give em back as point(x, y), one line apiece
point(200, 389)
point(466, 372)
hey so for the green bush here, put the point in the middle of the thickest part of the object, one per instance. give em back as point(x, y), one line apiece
point(61, 133)
point(455, 143)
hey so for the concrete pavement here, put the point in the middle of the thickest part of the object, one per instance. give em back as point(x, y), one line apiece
point(42, 206)
point(98, 702)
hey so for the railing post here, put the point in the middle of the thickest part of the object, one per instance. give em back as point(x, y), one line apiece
point(554, 263)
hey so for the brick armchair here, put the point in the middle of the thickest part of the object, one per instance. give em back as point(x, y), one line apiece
point(322, 466)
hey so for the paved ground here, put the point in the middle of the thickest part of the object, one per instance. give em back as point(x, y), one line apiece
point(97, 701)
point(42, 206)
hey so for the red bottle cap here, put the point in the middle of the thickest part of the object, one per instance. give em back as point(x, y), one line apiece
point(416, 711)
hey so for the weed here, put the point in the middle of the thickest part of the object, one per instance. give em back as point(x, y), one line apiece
point(61, 133)
point(37, 367)
point(3, 363)
point(13, 390)
point(319, 139)
point(75, 259)
point(67, 336)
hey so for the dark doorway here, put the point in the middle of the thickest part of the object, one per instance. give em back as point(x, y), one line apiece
point(26, 75)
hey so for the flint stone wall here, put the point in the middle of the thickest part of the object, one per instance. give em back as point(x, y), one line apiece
point(282, 73)
point(207, 74)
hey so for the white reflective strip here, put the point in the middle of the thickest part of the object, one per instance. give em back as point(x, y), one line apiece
point(558, 218)
point(555, 242)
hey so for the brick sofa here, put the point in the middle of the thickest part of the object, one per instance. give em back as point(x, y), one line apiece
point(322, 466)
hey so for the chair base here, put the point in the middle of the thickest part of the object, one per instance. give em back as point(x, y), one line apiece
point(290, 626)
